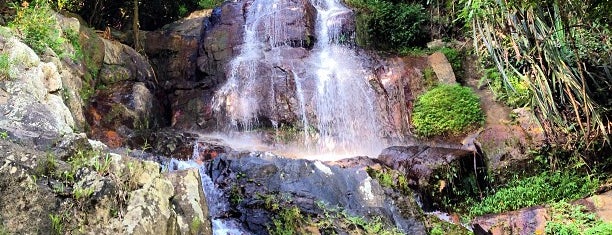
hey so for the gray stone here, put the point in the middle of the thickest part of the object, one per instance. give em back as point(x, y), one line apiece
point(442, 68)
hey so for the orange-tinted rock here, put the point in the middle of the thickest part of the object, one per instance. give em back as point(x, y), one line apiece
point(112, 139)
point(524, 222)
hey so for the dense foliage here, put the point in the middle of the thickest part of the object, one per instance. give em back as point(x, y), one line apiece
point(561, 51)
point(568, 219)
point(544, 188)
point(386, 25)
point(446, 109)
point(37, 25)
point(118, 14)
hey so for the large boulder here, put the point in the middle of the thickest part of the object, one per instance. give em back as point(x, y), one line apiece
point(525, 221)
point(120, 111)
point(248, 179)
point(123, 63)
point(437, 173)
point(442, 68)
point(128, 196)
point(128, 103)
point(31, 100)
point(508, 145)
point(173, 50)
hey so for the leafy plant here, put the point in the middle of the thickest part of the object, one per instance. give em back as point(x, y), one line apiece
point(455, 58)
point(82, 193)
point(388, 25)
point(446, 109)
point(544, 188)
point(38, 26)
point(195, 225)
point(5, 66)
point(46, 166)
point(287, 221)
point(549, 45)
point(515, 91)
point(56, 224)
point(568, 219)
point(209, 4)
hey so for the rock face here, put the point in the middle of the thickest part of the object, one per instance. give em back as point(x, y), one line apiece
point(304, 182)
point(526, 221)
point(507, 145)
point(162, 203)
point(436, 172)
point(31, 102)
point(128, 103)
point(399, 80)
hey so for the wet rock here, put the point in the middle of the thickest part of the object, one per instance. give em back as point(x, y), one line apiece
point(221, 38)
point(436, 172)
point(173, 49)
point(180, 145)
point(189, 199)
point(192, 109)
point(305, 182)
point(400, 81)
point(296, 21)
point(442, 68)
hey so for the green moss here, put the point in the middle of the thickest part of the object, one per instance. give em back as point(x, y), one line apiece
point(46, 166)
point(429, 77)
point(514, 91)
point(195, 226)
point(446, 109)
point(57, 225)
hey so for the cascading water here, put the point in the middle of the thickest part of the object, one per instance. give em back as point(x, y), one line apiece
point(216, 201)
point(346, 114)
point(332, 93)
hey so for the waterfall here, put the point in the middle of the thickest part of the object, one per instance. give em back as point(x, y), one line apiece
point(217, 204)
point(347, 117)
point(332, 95)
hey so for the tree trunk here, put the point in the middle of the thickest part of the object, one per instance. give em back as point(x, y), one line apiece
point(135, 28)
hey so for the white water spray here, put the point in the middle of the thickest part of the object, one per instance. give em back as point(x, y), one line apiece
point(339, 105)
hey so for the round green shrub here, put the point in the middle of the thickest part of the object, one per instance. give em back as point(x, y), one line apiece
point(446, 109)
